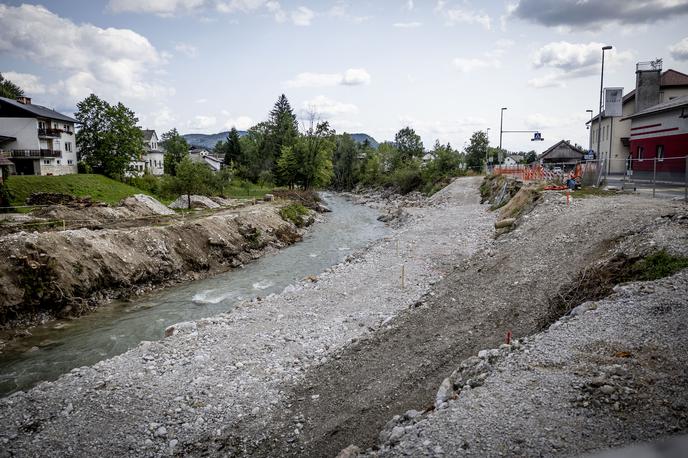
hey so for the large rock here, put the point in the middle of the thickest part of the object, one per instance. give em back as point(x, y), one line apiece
point(196, 202)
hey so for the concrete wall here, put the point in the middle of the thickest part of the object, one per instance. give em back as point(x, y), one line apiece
point(647, 84)
point(25, 130)
point(53, 167)
point(154, 162)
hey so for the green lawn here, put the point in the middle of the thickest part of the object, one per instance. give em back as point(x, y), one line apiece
point(98, 187)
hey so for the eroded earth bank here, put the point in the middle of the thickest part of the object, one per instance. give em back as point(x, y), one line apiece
point(355, 357)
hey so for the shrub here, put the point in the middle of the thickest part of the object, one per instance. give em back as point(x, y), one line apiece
point(294, 213)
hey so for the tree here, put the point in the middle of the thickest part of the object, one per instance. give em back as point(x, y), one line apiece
point(476, 151)
point(409, 145)
point(282, 130)
point(287, 167)
point(313, 152)
point(253, 159)
point(108, 139)
point(531, 157)
point(176, 148)
point(9, 90)
point(232, 147)
point(344, 162)
point(192, 178)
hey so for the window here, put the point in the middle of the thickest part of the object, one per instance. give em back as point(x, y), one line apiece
point(660, 153)
point(41, 124)
point(58, 162)
point(641, 150)
point(70, 162)
point(46, 161)
point(68, 147)
point(56, 145)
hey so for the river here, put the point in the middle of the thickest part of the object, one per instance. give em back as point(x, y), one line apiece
point(59, 346)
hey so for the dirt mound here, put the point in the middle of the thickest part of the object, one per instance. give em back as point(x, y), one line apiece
point(195, 201)
point(222, 202)
point(54, 198)
point(144, 205)
point(309, 199)
point(497, 190)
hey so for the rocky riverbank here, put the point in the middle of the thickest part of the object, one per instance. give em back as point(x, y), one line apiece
point(64, 273)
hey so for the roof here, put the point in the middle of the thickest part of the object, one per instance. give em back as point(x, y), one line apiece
point(148, 134)
point(557, 145)
point(5, 161)
point(37, 110)
point(5, 139)
point(672, 104)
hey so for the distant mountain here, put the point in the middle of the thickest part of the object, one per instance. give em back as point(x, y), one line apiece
point(208, 141)
point(360, 138)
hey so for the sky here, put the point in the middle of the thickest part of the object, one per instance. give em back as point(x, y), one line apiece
point(444, 68)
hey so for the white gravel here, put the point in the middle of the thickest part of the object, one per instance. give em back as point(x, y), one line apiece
point(163, 397)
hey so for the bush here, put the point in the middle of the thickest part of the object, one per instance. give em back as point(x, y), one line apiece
point(83, 167)
point(405, 179)
point(295, 213)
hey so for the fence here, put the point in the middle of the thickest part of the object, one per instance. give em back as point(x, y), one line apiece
point(662, 177)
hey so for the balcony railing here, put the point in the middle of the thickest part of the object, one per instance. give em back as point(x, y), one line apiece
point(35, 153)
point(44, 132)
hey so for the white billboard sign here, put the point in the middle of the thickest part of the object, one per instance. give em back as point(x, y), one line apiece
point(613, 101)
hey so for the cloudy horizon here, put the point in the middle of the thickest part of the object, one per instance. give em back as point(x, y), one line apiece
point(445, 68)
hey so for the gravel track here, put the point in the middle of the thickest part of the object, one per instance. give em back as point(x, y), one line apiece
point(215, 385)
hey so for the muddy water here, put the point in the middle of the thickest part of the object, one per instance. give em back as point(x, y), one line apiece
point(55, 349)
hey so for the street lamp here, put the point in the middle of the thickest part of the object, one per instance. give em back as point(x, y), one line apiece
point(599, 116)
point(501, 123)
point(591, 129)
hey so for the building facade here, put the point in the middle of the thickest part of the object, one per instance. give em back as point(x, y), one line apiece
point(153, 158)
point(652, 87)
point(38, 140)
point(659, 140)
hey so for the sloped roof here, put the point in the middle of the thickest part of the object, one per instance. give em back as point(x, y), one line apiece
point(148, 134)
point(673, 78)
point(37, 110)
point(672, 104)
point(557, 145)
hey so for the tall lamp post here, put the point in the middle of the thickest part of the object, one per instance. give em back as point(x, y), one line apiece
point(487, 148)
point(591, 129)
point(501, 123)
point(599, 116)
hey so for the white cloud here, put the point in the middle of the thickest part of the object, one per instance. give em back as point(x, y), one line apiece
point(186, 49)
point(463, 16)
point(409, 5)
point(351, 77)
point(240, 123)
point(341, 10)
point(679, 51)
point(112, 62)
point(302, 16)
point(31, 84)
point(540, 121)
point(356, 77)
point(327, 107)
point(407, 25)
point(159, 7)
point(573, 60)
point(472, 64)
point(244, 6)
point(202, 122)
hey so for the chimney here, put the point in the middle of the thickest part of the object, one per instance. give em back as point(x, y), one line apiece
point(647, 82)
point(24, 100)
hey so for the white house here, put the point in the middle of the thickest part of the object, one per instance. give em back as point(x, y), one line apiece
point(152, 160)
point(203, 156)
point(511, 161)
point(38, 140)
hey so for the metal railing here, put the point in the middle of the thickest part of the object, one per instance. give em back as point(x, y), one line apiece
point(45, 132)
point(34, 153)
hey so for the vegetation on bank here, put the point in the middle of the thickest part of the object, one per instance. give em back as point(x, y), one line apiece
point(296, 213)
point(98, 187)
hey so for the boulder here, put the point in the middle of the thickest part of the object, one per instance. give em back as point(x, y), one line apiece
point(196, 202)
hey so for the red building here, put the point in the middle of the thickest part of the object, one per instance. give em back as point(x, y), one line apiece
point(660, 132)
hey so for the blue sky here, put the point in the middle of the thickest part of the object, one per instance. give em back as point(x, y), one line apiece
point(443, 67)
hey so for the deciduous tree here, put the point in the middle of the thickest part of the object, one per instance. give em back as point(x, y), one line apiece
point(176, 148)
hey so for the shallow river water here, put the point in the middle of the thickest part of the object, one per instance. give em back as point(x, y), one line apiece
point(58, 347)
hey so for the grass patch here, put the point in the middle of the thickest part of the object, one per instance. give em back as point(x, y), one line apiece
point(655, 266)
point(295, 213)
point(98, 187)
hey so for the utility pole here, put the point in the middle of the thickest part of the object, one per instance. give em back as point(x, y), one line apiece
point(591, 130)
point(501, 124)
point(599, 116)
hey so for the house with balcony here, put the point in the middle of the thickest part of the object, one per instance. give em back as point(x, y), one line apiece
point(36, 139)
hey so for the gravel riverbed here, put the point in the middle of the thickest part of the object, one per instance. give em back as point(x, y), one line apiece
point(213, 385)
